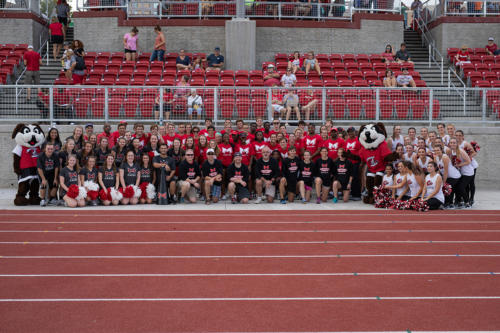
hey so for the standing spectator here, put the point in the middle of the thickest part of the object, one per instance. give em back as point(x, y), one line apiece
point(402, 55)
point(405, 79)
point(66, 60)
point(303, 8)
point(56, 36)
point(168, 100)
point(296, 62)
point(160, 45)
point(77, 68)
point(311, 63)
point(183, 61)
point(62, 10)
point(130, 43)
point(416, 7)
point(215, 60)
point(271, 77)
point(492, 48)
point(32, 62)
point(389, 79)
point(195, 104)
point(288, 79)
point(181, 93)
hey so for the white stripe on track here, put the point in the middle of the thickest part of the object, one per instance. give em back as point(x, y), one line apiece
point(249, 274)
point(251, 222)
point(299, 242)
point(254, 256)
point(254, 231)
point(222, 299)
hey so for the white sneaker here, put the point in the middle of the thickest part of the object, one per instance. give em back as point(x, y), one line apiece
point(258, 200)
point(43, 203)
point(224, 197)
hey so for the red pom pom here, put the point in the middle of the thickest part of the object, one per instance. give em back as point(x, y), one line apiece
point(73, 191)
point(103, 195)
point(142, 186)
point(128, 192)
point(92, 195)
point(447, 189)
point(151, 155)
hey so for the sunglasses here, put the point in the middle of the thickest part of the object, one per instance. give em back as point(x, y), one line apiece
point(210, 154)
point(189, 154)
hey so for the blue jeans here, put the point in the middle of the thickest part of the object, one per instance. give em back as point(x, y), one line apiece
point(157, 55)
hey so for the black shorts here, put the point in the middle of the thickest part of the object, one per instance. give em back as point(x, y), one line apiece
point(343, 186)
point(56, 39)
point(50, 181)
point(242, 192)
point(63, 20)
point(130, 51)
point(291, 185)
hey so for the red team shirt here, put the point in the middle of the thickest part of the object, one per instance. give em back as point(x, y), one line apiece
point(333, 146)
point(312, 143)
point(374, 159)
point(353, 145)
point(246, 152)
point(226, 154)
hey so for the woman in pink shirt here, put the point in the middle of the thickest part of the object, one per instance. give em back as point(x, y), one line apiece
point(130, 42)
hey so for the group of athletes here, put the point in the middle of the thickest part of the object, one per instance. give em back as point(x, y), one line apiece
point(257, 161)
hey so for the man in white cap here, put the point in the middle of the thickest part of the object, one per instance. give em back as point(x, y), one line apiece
point(32, 62)
point(492, 48)
point(271, 77)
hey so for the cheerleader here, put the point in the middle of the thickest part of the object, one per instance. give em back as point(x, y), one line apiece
point(388, 178)
point(464, 145)
point(136, 149)
point(401, 155)
point(432, 192)
point(119, 151)
point(396, 138)
point(414, 179)
point(129, 176)
point(422, 144)
point(421, 160)
point(462, 162)
point(412, 135)
point(431, 140)
point(409, 154)
point(449, 173)
point(400, 186)
point(102, 151)
point(147, 178)
point(89, 174)
point(152, 148)
point(84, 155)
point(67, 149)
point(441, 128)
point(108, 180)
point(306, 177)
point(54, 139)
point(67, 177)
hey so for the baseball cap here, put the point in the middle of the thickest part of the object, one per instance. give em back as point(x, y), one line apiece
point(237, 154)
point(491, 38)
point(217, 48)
point(30, 46)
point(334, 129)
point(270, 65)
point(210, 151)
point(340, 129)
point(89, 125)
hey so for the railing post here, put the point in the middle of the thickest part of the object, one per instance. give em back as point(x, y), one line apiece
point(484, 105)
point(216, 102)
point(199, 10)
point(431, 104)
point(279, 10)
point(160, 106)
point(48, 52)
point(449, 80)
point(323, 105)
point(377, 104)
point(51, 105)
point(106, 105)
point(17, 101)
point(484, 8)
point(465, 100)
point(269, 104)
point(319, 11)
point(442, 69)
point(430, 55)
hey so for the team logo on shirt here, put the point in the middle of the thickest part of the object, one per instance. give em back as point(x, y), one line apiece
point(227, 150)
point(333, 146)
point(310, 142)
point(372, 161)
point(73, 176)
point(49, 165)
point(399, 181)
point(244, 151)
point(131, 170)
point(213, 172)
point(341, 168)
point(324, 168)
point(351, 145)
point(306, 172)
point(410, 182)
point(265, 170)
point(191, 173)
point(429, 183)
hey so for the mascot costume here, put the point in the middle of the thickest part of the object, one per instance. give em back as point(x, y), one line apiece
point(375, 153)
point(28, 138)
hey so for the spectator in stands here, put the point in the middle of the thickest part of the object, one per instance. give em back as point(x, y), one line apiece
point(405, 79)
point(388, 54)
point(303, 8)
point(160, 45)
point(62, 10)
point(271, 77)
point(291, 103)
point(463, 56)
point(168, 100)
point(296, 63)
point(183, 61)
point(389, 79)
point(198, 63)
point(182, 92)
point(311, 63)
point(43, 102)
point(32, 62)
point(66, 60)
point(288, 79)
point(492, 48)
point(416, 7)
point(78, 48)
point(78, 72)
point(311, 103)
point(56, 37)
point(277, 104)
point(215, 60)
point(195, 104)
point(130, 44)
point(402, 55)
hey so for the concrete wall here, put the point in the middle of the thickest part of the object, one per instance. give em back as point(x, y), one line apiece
point(20, 31)
point(457, 34)
point(488, 175)
point(372, 36)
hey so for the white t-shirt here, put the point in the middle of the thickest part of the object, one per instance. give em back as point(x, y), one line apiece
point(404, 79)
point(288, 80)
point(413, 185)
point(388, 180)
point(194, 102)
point(399, 180)
point(431, 186)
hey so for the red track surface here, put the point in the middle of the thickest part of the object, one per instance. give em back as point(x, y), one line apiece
point(171, 271)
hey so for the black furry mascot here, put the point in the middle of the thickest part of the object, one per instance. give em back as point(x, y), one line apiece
point(375, 153)
point(28, 138)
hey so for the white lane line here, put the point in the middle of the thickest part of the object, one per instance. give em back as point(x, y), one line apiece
point(255, 256)
point(252, 299)
point(262, 242)
point(257, 231)
point(250, 274)
point(253, 222)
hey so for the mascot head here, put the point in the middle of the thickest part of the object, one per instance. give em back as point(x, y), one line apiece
point(372, 135)
point(29, 136)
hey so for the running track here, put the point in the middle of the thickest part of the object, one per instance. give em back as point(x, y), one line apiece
point(249, 271)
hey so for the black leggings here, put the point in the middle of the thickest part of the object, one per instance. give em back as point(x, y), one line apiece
point(434, 203)
point(471, 189)
point(463, 194)
point(356, 184)
point(448, 200)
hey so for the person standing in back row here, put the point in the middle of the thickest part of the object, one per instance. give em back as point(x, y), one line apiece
point(160, 45)
point(130, 44)
point(62, 10)
point(32, 61)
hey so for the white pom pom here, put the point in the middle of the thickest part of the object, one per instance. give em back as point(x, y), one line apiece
point(137, 191)
point(90, 185)
point(150, 191)
point(115, 194)
point(82, 193)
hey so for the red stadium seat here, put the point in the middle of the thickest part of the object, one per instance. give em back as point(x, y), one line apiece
point(370, 108)
point(242, 107)
point(386, 107)
point(401, 107)
point(259, 106)
point(338, 108)
point(354, 106)
point(226, 107)
point(81, 106)
point(146, 107)
point(417, 108)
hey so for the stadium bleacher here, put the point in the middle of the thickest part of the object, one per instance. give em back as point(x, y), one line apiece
point(483, 71)
point(11, 58)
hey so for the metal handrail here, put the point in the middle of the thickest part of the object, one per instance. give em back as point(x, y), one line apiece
point(430, 44)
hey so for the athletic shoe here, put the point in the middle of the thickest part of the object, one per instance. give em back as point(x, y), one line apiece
point(182, 200)
point(202, 198)
point(460, 206)
point(52, 202)
point(355, 198)
point(207, 202)
point(233, 199)
point(94, 203)
point(304, 201)
point(283, 201)
point(61, 203)
point(318, 201)
point(364, 193)
point(258, 200)
point(43, 203)
point(471, 203)
point(467, 205)
point(224, 197)
point(452, 206)
point(441, 207)
point(335, 200)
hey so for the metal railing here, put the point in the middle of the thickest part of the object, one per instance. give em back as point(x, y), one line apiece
point(434, 55)
point(21, 5)
point(316, 105)
point(472, 8)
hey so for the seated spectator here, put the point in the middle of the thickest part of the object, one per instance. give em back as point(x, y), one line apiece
point(181, 92)
point(492, 48)
point(215, 60)
point(296, 63)
point(303, 8)
point(291, 103)
point(338, 9)
point(198, 63)
point(271, 78)
point(311, 63)
point(402, 55)
point(388, 54)
point(195, 104)
point(277, 104)
point(463, 56)
point(183, 61)
point(310, 104)
point(405, 79)
point(288, 79)
point(389, 79)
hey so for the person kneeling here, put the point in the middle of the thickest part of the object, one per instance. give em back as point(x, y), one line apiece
point(212, 176)
point(130, 176)
point(267, 170)
point(189, 177)
point(290, 175)
point(342, 175)
point(238, 175)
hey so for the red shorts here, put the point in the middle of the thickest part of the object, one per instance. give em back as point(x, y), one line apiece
point(77, 79)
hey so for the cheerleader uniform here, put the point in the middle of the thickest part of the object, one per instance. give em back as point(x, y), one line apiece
point(423, 165)
point(130, 173)
point(413, 185)
point(387, 180)
point(408, 158)
point(467, 172)
point(396, 141)
point(471, 189)
point(108, 177)
point(453, 179)
point(399, 180)
point(438, 199)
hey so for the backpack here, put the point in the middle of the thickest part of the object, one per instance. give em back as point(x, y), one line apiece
point(80, 63)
